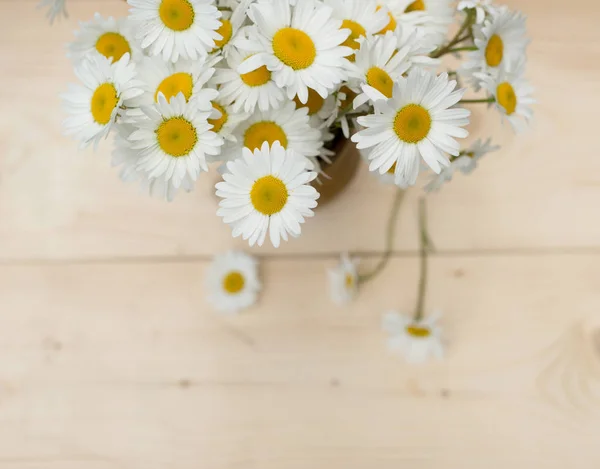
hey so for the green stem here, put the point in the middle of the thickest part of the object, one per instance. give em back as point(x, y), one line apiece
point(424, 244)
point(462, 49)
point(389, 239)
point(458, 38)
point(475, 101)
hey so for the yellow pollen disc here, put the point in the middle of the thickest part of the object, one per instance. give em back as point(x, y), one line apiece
point(349, 280)
point(412, 123)
point(506, 97)
point(177, 15)
point(259, 77)
point(314, 104)
point(350, 95)
point(233, 282)
point(417, 5)
point(173, 85)
point(294, 48)
point(494, 51)
point(391, 26)
point(269, 195)
point(356, 31)
point(392, 170)
point(418, 332)
point(176, 136)
point(113, 45)
point(264, 131)
point(225, 30)
point(104, 101)
point(381, 81)
point(221, 121)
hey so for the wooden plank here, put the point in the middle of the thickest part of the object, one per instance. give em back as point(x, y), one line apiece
point(124, 366)
point(540, 191)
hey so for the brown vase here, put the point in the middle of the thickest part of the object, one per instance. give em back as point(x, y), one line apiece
point(340, 171)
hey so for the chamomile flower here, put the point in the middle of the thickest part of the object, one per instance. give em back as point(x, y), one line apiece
point(113, 38)
point(173, 139)
point(500, 41)
point(417, 122)
point(300, 44)
point(343, 280)
point(267, 191)
point(226, 121)
point(230, 25)
point(287, 125)
point(513, 95)
point(481, 8)
point(378, 65)
point(417, 341)
point(431, 17)
point(232, 282)
point(416, 47)
point(247, 90)
point(465, 163)
point(94, 104)
point(176, 28)
point(362, 17)
point(321, 112)
point(56, 9)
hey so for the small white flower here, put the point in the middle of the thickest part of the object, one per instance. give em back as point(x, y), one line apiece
point(418, 122)
point(512, 93)
point(481, 8)
point(267, 191)
point(112, 38)
point(465, 163)
point(232, 282)
point(94, 105)
point(417, 341)
point(226, 121)
point(176, 28)
point(56, 9)
point(343, 280)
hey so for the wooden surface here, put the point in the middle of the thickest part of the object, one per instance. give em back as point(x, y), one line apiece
point(111, 359)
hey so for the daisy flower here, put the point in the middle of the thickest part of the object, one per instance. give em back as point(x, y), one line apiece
point(226, 120)
point(416, 47)
point(417, 341)
point(94, 104)
point(287, 125)
point(321, 112)
point(481, 8)
point(247, 90)
point(176, 28)
point(501, 40)
point(417, 122)
point(431, 17)
point(56, 9)
point(107, 36)
point(267, 191)
point(230, 25)
point(300, 45)
point(465, 163)
point(362, 17)
point(512, 94)
point(173, 139)
point(378, 65)
point(232, 282)
point(343, 280)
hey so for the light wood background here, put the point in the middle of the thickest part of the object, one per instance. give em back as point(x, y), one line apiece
point(110, 357)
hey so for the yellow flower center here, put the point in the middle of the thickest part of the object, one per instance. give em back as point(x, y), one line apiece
point(506, 97)
point(177, 15)
point(356, 31)
point(225, 30)
point(494, 51)
point(350, 95)
point(417, 5)
point(392, 24)
point(349, 281)
point(269, 195)
point(259, 77)
point(294, 48)
point(176, 136)
point(173, 85)
point(381, 81)
point(418, 332)
point(113, 45)
point(221, 121)
point(233, 282)
point(104, 102)
point(314, 104)
point(412, 123)
point(264, 131)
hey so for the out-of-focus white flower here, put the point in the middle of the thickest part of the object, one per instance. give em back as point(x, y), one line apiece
point(416, 341)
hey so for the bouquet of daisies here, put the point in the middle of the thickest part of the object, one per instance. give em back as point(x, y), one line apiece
point(263, 88)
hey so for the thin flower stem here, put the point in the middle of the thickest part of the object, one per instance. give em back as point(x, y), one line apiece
point(461, 49)
point(389, 239)
point(475, 101)
point(425, 246)
point(458, 37)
